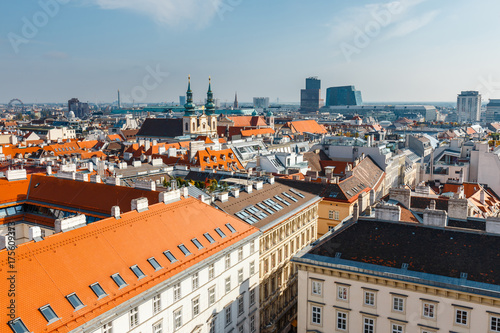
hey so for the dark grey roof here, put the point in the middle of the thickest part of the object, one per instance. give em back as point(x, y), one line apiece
point(161, 128)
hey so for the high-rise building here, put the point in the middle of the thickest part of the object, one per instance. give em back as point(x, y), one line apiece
point(310, 98)
point(261, 102)
point(119, 102)
point(80, 109)
point(182, 100)
point(345, 95)
point(469, 106)
point(493, 111)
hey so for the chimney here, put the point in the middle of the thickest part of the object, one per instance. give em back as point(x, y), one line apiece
point(436, 218)
point(172, 152)
point(147, 145)
point(236, 192)
point(70, 223)
point(296, 177)
point(140, 204)
point(308, 179)
point(493, 225)
point(201, 197)
point(271, 180)
point(248, 188)
point(49, 170)
point(432, 206)
point(482, 197)
point(115, 212)
point(387, 212)
point(223, 197)
point(185, 192)
point(170, 196)
point(4, 242)
point(402, 195)
point(258, 185)
point(95, 179)
point(355, 212)
point(35, 234)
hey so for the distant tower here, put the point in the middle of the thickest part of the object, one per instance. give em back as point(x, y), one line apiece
point(119, 103)
point(189, 119)
point(235, 105)
point(210, 110)
point(469, 106)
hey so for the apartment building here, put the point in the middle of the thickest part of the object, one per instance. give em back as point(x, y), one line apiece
point(376, 275)
point(178, 265)
point(287, 219)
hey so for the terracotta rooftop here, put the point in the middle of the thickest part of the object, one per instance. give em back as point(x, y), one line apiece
point(69, 262)
point(309, 126)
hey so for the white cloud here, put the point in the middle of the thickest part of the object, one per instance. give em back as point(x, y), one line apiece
point(193, 13)
point(407, 27)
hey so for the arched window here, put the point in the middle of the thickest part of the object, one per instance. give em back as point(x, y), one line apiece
point(186, 127)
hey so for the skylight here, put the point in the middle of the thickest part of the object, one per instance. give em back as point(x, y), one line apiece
point(282, 200)
point(209, 238)
point(75, 301)
point(289, 197)
point(154, 263)
point(184, 249)
point(120, 282)
point(230, 227)
point(18, 326)
point(197, 243)
point(221, 234)
point(297, 193)
point(170, 256)
point(97, 289)
point(137, 271)
point(49, 313)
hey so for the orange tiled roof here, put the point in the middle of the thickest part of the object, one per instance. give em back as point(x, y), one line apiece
point(14, 190)
point(248, 121)
point(223, 159)
point(87, 144)
point(309, 126)
point(115, 137)
point(258, 131)
point(13, 151)
point(69, 262)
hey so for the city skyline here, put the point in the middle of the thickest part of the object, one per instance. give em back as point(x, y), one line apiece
point(413, 50)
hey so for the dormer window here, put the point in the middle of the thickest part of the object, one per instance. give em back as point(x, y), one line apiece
point(17, 326)
point(49, 313)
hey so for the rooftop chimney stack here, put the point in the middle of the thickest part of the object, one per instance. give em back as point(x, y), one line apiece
point(115, 212)
point(140, 204)
point(35, 234)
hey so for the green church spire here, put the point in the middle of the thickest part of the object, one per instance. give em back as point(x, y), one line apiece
point(210, 106)
point(189, 106)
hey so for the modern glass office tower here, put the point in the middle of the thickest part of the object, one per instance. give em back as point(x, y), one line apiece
point(345, 95)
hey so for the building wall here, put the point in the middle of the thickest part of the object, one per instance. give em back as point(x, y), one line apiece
point(278, 278)
point(208, 313)
point(411, 319)
point(331, 213)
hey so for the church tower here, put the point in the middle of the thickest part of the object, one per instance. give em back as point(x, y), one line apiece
point(189, 119)
point(235, 104)
point(210, 110)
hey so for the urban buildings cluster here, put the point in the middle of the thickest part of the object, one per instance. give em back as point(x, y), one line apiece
point(331, 216)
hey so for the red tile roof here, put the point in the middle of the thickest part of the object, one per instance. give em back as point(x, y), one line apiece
point(303, 126)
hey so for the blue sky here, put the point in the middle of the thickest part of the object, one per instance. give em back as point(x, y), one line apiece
point(410, 50)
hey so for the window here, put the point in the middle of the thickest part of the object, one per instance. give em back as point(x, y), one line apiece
point(184, 249)
point(211, 271)
point(120, 282)
point(49, 314)
point(495, 324)
point(461, 316)
point(221, 234)
point(240, 275)
point(228, 284)
point(177, 318)
point(107, 328)
point(196, 306)
point(241, 304)
point(316, 287)
point(368, 325)
point(228, 261)
point(330, 214)
point(75, 302)
point(228, 315)
point(336, 215)
point(156, 303)
point(170, 256)
point(211, 295)
point(252, 247)
point(241, 329)
point(97, 289)
point(154, 263)
point(195, 281)
point(398, 304)
point(197, 243)
point(137, 271)
point(369, 298)
point(252, 297)
point(240, 254)
point(177, 291)
point(252, 268)
point(316, 315)
point(342, 293)
point(341, 320)
point(428, 310)
point(157, 328)
point(252, 323)
point(209, 238)
point(134, 317)
point(212, 325)
point(397, 328)
point(230, 227)
point(266, 265)
point(331, 227)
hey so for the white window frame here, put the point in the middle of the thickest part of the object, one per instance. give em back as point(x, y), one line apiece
point(369, 298)
point(398, 304)
point(158, 327)
point(211, 271)
point(177, 318)
point(252, 324)
point(240, 275)
point(252, 268)
point(397, 328)
point(177, 292)
point(316, 287)
point(107, 328)
point(494, 325)
point(195, 306)
point(429, 310)
point(342, 321)
point(252, 296)
point(156, 303)
point(227, 261)
point(133, 316)
point(228, 315)
point(240, 253)
point(459, 312)
point(368, 325)
point(316, 315)
point(241, 304)
point(227, 285)
point(195, 281)
point(211, 295)
point(343, 293)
